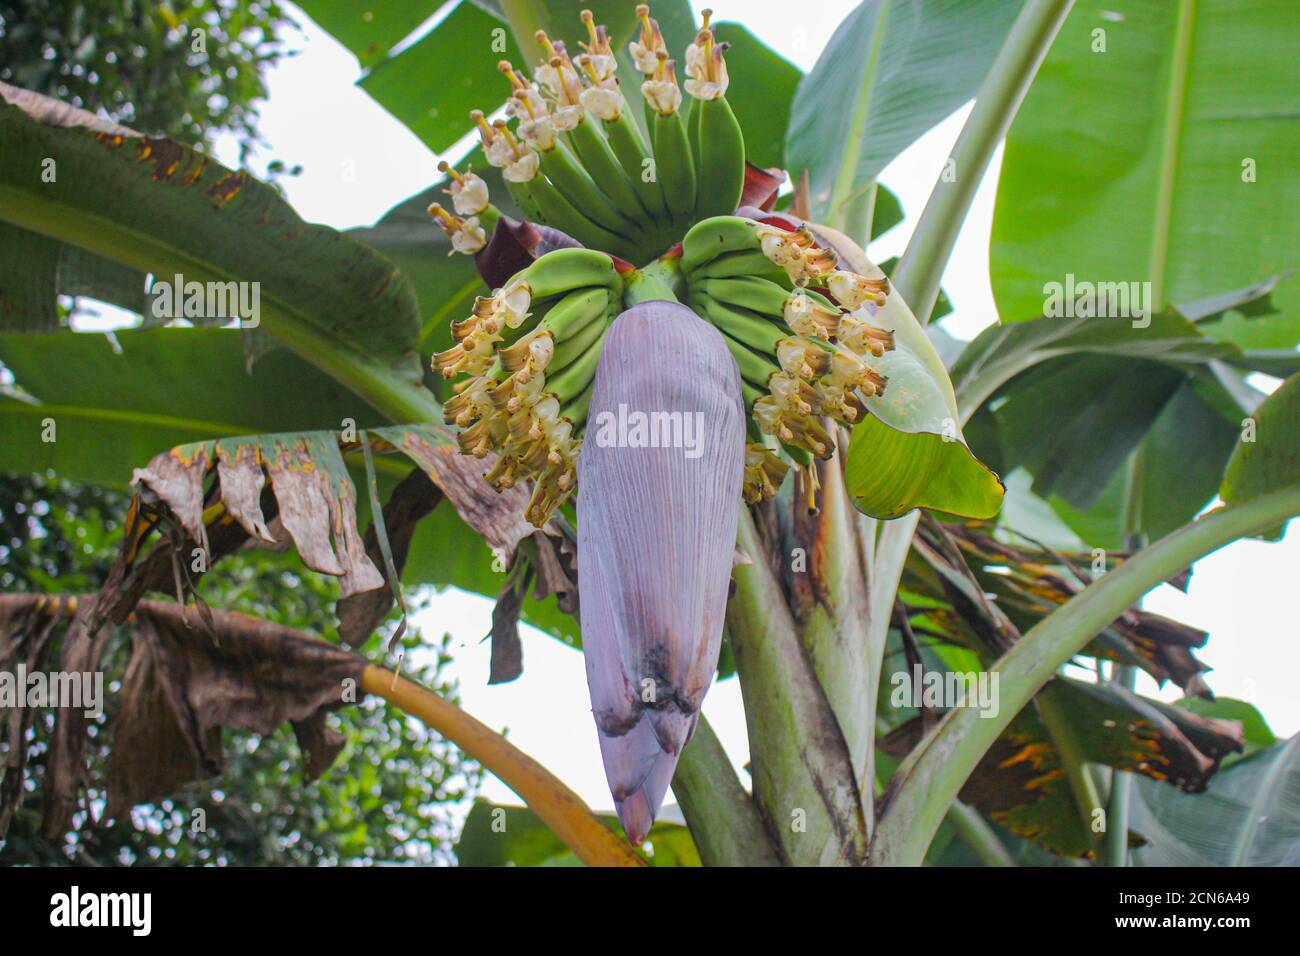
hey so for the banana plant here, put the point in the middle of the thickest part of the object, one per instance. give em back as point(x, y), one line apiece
point(681, 397)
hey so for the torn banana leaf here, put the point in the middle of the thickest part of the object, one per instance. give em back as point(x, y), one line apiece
point(1022, 785)
point(181, 688)
point(296, 487)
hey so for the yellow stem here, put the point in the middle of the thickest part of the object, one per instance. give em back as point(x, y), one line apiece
point(554, 803)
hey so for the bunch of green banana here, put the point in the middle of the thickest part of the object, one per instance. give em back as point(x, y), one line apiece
point(751, 330)
point(800, 349)
point(576, 160)
point(530, 350)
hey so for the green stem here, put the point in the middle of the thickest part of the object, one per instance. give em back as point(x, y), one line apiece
point(803, 780)
point(931, 776)
point(918, 273)
point(662, 279)
point(859, 213)
point(842, 193)
point(1121, 786)
point(831, 613)
point(1174, 114)
point(973, 830)
point(1121, 782)
point(724, 820)
point(1070, 752)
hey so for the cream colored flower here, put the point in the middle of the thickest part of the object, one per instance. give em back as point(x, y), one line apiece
point(607, 104)
point(539, 133)
point(523, 169)
point(469, 194)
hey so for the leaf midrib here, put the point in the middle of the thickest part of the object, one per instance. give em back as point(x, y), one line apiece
point(843, 188)
point(369, 377)
point(127, 416)
point(1171, 140)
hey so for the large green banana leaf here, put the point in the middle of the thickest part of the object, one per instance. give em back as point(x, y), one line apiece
point(118, 401)
point(1249, 816)
point(154, 205)
point(1269, 458)
point(892, 70)
point(1167, 131)
point(1168, 387)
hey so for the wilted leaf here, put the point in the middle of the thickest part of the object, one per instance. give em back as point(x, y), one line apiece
point(1028, 588)
point(182, 686)
point(25, 632)
point(311, 496)
point(1021, 783)
point(414, 498)
point(65, 768)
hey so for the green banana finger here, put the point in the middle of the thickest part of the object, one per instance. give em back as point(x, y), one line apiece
point(554, 210)
point(674, 166)
point(757, 332)
point(754, 368)
point(721, 158)
point(569, 350)
point(575, 312)
point(576, 410)
point(648, 110)
point(574, 183)
point(523, 197)
point(563, 270)
point(625, 140)
point(571, 381)
point(691, 118)
point(749, 292)
point(718, 236)
point(563, 322)
point(601, 162)
point(733, 264)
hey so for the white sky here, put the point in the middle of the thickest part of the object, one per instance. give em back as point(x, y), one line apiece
point(1244, 595)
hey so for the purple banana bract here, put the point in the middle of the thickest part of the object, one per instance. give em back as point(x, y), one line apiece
point(658, 503)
